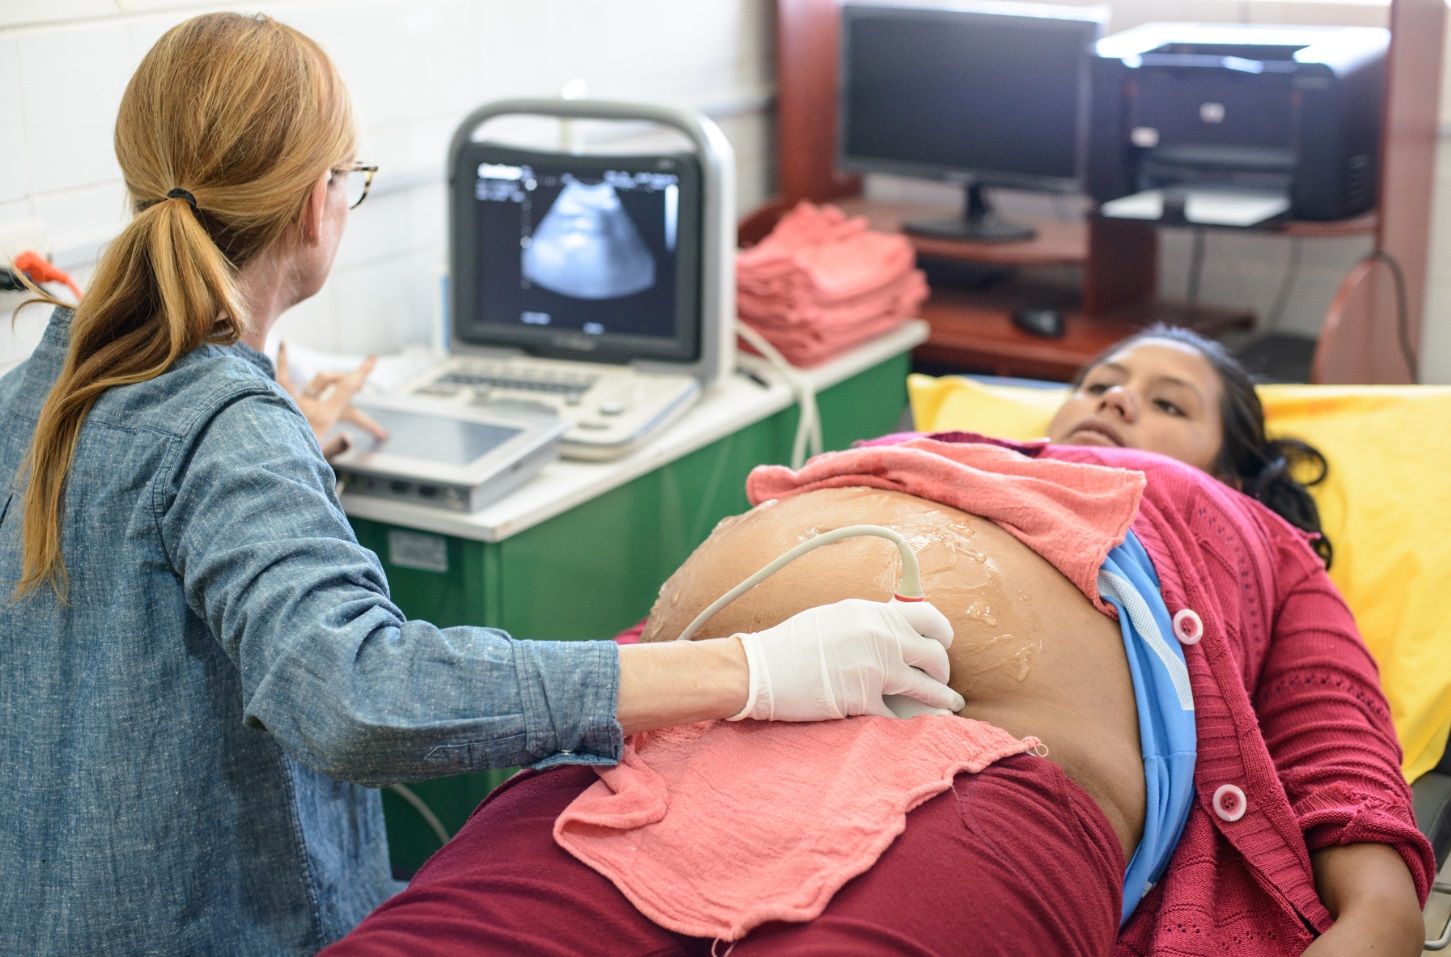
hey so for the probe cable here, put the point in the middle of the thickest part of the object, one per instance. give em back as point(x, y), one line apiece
point(909, 587)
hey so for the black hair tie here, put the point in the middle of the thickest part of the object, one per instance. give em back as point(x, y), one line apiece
point(180, 193)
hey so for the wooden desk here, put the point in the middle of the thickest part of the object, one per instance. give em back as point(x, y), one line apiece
point(1109, 294)
point(972, 330)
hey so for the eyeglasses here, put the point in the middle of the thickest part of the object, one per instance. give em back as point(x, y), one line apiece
point(359, 178)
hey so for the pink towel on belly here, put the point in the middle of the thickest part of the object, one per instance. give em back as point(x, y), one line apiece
point(715, 828)
point(1069, 513)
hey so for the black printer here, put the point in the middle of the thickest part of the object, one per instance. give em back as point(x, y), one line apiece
point(1287, 110)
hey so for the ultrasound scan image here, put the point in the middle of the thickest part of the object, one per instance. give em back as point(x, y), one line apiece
point(588, 247)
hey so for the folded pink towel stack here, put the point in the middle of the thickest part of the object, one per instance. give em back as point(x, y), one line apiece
point(821, 283)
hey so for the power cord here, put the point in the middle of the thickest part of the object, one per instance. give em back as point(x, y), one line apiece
point(808, 425)
point(424, 811)
point(1287, 283)
point(1196, 266)
point(1358, 275)
point(1403, 312)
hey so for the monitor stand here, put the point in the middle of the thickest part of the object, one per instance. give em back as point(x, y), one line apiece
point(977, 224)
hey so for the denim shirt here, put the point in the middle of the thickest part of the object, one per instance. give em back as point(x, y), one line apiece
point(188, 745)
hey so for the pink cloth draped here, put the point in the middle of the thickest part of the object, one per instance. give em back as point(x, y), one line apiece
point(715, 828)
point(1070, 513)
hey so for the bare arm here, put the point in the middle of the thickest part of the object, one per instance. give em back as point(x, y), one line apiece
point(678, 682)
point(1369, 891)
point(822, 663)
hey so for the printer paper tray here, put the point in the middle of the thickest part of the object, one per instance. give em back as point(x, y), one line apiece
point(1216, 206)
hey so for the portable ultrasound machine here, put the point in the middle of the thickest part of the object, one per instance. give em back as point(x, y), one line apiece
point(591, 303)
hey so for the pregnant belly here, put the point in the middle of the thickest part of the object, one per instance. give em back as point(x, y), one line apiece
point(1031, 653)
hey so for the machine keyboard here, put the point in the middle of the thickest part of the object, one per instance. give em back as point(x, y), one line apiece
point(526, 380)
point(611, 409)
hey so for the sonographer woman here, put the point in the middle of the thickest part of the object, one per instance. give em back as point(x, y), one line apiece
point(196, 651)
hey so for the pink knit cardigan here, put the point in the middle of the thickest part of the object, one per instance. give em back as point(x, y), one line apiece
point(1289, 710)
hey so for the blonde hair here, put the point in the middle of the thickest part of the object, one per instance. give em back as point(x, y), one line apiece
point(242, 113)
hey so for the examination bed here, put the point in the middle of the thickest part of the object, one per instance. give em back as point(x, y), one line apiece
point(1386, 507)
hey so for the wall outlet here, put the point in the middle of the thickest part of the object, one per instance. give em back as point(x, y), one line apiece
point(16, 238)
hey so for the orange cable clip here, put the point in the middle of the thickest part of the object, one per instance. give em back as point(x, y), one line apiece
point(41, 270)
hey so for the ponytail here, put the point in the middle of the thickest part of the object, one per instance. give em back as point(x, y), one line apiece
point(156, 295)
point(223, 131)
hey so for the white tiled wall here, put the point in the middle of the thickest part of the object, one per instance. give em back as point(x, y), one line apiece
point(415, 69)
point(1436, 337)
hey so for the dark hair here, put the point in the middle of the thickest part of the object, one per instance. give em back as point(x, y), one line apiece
point(1264, 469)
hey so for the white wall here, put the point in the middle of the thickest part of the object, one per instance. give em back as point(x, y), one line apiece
point(415, 69)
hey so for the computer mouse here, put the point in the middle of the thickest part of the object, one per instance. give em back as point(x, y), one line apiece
point(1040, 321)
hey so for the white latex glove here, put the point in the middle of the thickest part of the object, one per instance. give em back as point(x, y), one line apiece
point(839, 660)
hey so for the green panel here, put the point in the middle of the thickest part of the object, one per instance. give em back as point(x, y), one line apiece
point(865, 406)
point(596, 569)
point(461, 595)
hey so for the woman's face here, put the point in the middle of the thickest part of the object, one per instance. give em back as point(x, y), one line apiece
point(1155, 394)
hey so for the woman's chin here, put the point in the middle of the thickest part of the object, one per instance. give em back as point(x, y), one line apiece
point(1089, 437)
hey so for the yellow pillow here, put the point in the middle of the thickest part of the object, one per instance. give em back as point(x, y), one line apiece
point(1386, 507)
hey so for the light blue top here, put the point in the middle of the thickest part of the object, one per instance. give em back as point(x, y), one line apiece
point(1166, 711)
point(174, 741)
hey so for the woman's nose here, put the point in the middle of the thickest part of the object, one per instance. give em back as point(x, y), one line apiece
point(1119, 400)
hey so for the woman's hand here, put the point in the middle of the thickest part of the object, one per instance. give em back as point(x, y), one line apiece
point(328, 400)
point(1369, 892)
point(839, 660)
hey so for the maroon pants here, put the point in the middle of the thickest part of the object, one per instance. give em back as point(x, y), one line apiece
point(1015, 859)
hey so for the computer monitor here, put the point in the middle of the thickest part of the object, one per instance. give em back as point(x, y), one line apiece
point(982, 94)
point(577, 256)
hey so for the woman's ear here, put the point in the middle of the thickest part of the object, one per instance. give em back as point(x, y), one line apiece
point(310, 221)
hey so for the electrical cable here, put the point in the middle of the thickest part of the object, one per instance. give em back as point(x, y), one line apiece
point(1287, 283)
point(1358, 275)
point(909, 586)
point(417, 803)
point(1403, 312)
point(1196, 266)
point(808, 425)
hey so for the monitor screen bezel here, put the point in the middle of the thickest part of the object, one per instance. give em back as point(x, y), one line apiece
point(1093, 20)
point(683, 347)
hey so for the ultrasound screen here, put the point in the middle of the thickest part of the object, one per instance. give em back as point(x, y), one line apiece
point(566, 250)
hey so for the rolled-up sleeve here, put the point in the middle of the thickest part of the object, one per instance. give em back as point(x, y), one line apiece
point(329, 665)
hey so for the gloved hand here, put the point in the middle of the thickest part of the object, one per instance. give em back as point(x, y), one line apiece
point(839, 660)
